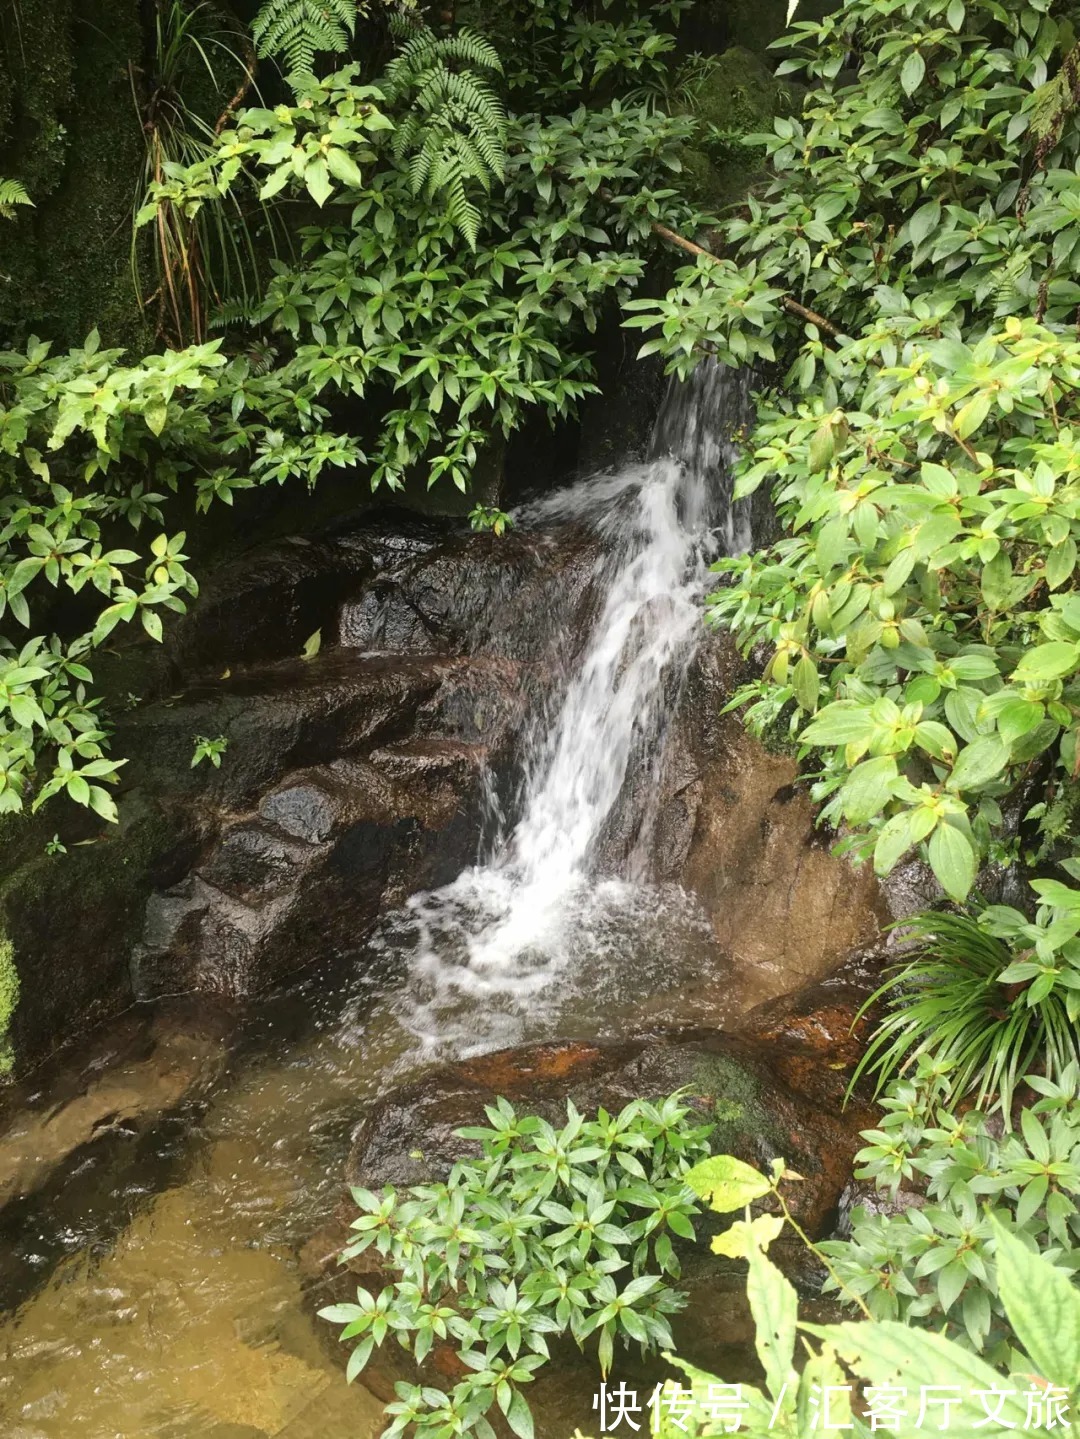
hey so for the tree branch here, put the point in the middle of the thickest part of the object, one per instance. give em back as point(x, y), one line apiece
point(786, 301)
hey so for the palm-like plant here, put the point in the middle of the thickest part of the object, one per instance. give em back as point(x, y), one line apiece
point(954, 1000)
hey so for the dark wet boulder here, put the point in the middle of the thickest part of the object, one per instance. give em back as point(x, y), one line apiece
point(732, 1080)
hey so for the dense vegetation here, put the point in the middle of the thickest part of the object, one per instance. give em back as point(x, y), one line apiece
point(550, 1232)
point(387, 252)
point(455, 250)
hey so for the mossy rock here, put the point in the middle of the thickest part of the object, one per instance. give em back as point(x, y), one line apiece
point(733, 95)
point(68, 920)
point(410, 1137)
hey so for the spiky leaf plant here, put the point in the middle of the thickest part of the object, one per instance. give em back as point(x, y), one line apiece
point(957, 1001)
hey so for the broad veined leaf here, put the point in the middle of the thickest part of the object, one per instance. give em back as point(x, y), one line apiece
point(1043, 1306)
point(953, 860)
point(727, 1183)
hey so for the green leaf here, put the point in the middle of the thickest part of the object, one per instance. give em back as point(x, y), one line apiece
point(741, 1238)
point(839, 723)
point(912, 72)
point(519, 1416)
point(805, 683)
point(775, 1308)
point(344, 168)
point(868, 789)
point(317, 180)
point(978, 763)
point(727, 1183)
point(923, 223)
point(953, 860)
point(312, 645)
point(1048, 662)
point(1043, 1306)
point(888, 1354)
point(102, 803)
point(822, 447)
point(1060, 563)
point(898, 836)
point(358, 1358)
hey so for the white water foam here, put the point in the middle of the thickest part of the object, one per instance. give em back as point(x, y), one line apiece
point(489, 953)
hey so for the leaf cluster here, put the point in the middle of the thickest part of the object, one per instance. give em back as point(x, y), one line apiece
point(934, 1263)
point(921, 610)
point(550, 1232)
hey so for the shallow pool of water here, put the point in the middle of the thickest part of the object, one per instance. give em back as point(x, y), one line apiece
point(161, 1293)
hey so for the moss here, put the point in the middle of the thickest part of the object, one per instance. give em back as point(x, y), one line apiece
point(732, 95)
point(72, 135)
point(9, 998)
point(740, 1112)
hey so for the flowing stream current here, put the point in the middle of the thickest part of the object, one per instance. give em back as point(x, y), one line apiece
point(161, 1293)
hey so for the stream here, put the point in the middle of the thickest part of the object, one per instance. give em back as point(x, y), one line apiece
point(162, 1291)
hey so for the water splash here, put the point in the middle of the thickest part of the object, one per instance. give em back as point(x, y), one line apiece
point(493, 944)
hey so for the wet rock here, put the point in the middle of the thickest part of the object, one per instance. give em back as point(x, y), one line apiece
point(150, 1070)
point(491, 594)
point(264, 606)
point(732, 1080)
point(276, 719)
point(735, 827)
point(330, 847)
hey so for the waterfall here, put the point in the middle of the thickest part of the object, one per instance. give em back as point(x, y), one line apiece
point(537, 909)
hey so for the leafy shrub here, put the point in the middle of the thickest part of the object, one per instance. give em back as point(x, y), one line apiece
point(983, 1010)
point(922, 610)
point(522, 1244)
point(448, 346)
point(935, 1264)
point(890, 1359)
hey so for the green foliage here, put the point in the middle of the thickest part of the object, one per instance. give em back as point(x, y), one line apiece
point(551, 1231)
point(211, 749)
point(979, 1008)
point(922, 611)
point(559, 50)
point(453, 130)
point(12, 194)
point(196, 255)
point(936, 1263)
point(490, 517)
point(9, 998)
point(295, 31)
point(893, 1361)
point(386, 304)
point(67, 421)
point(447, 345)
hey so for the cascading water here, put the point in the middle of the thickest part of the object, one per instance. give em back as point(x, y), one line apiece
point(515, 930)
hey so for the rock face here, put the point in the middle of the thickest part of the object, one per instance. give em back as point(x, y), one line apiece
point(729, 823)
point(359, 777)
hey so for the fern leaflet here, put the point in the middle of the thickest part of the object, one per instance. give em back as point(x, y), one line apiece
point(295, 31)
point(12, 193)
point(453, 133)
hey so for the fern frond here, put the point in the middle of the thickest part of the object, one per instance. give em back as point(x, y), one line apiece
point(295, 31)
point(453, 132)
point(12, 194)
